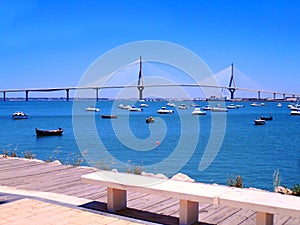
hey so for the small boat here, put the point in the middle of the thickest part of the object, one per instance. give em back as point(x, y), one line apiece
point(255, 104)
point(92, 109)
point(197, 111)
point(134, 109)
point(121, 106)
point(266, 117)
point(279, 105)
point(295, 113)
point(19, 116)
point(232, 106)
point(194, 105)
point(150, 120)
point(144, 105)
point(40, 132)
point(182, 106)
point(240, 106)
point(219, 108)
point(206, 108)
point(108, 116)
point(164, 110)
point(171, 104)
point(259, 122)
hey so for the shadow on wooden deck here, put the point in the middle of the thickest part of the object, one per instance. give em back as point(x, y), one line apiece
point(137, 214)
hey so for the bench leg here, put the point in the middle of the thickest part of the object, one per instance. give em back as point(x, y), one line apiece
point(116, 199)
point(188, 212)
point(263, 218)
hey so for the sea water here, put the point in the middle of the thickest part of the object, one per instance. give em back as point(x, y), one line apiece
point(253, 152)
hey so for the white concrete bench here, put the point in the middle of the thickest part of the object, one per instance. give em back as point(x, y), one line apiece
point(190, 194)
point(266, 204)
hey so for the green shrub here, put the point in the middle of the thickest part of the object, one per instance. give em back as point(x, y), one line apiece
point(233, 181)
point(296, 190)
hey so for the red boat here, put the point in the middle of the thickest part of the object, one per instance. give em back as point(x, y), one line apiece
point(40, 132)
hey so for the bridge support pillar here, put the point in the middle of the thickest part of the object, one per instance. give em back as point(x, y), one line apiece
point(26, 97)
point(140, 88)
point(97, 94)
point(274, 96)
point(258, 95)
point(283, 96)
point(68, 90)
point(4, 95)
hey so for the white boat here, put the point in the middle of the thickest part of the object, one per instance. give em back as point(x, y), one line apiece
point(279, 105)
point(259, 122)
point(194, 105)
point(219, 109)
point(144, 105)
point(295, 113)
point(197, 111)
point(164, 110)
point(92, 109)
point(134, 109)
point(171, 104)
point(121, 106)
point(240, 106)
point(232, 106)
point(19, 116)
point(255, 104)
point(295, 108)
point(206, 108)
point(182, 106)
point(263, 104)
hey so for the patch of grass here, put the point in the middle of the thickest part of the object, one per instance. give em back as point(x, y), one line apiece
point(29, 155)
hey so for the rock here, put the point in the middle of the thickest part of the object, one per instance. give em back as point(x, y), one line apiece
point(283, 190)
point(114, 170)
point(182, 177)
point(159, 175)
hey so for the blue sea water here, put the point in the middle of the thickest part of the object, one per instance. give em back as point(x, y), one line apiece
point(254, 152)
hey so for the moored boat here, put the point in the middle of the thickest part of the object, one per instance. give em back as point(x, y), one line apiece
point(171, 104)
point(92, 109)
point(150, 120)
point(259, 122)
point(182, 106)
point(135, 109)
point(206, 108)
point(164, 110)
point(232, 106)
point(295, 113)
point(19, 116)
point(267, 117)
point(219, 109)
point(122, 106)
point(144, 105)
point(108, 116)
point(197, 111)
point(40, 132)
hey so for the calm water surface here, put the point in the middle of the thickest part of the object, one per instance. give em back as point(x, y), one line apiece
point(254, 152)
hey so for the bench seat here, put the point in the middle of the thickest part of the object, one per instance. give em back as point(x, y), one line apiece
point(266, 204)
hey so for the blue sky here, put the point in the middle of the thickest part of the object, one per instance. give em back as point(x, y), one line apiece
point(51, 43)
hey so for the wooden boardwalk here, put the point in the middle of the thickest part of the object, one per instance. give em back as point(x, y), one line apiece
point(50, 177)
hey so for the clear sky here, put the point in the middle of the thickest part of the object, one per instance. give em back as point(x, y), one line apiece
point(50, 43)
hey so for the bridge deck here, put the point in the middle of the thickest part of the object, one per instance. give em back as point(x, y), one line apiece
point(61, 179)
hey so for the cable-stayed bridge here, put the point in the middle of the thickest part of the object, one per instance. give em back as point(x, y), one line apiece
point(223, 84)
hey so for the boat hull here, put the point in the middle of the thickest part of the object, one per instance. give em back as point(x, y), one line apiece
point(57, 132)
point(108, 116)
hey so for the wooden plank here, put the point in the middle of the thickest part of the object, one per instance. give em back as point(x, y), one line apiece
point(32, 175)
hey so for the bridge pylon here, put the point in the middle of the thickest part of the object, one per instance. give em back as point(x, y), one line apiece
point(140, 86)
point(232, 84)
